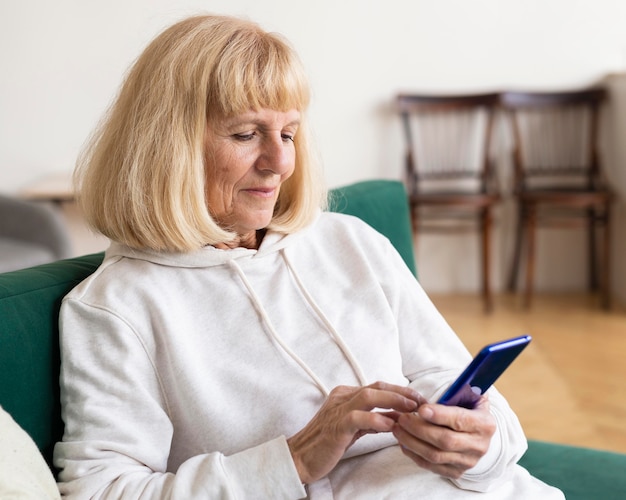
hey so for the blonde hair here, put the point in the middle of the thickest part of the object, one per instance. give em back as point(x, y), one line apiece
point(141, 179)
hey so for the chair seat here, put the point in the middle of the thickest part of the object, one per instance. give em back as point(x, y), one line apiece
point(16, 255)
point(470, 200)
point(566, 197)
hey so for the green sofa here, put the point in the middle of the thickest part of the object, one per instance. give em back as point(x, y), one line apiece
point(29, 352)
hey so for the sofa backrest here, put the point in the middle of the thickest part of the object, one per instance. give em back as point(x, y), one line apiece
point(30, 301)
point(29, 344)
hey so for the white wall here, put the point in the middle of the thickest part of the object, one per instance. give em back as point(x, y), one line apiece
point(62, 62)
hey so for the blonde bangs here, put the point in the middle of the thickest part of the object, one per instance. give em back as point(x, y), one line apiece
point(257, 70)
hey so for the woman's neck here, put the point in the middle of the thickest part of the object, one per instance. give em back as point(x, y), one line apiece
point(251, 240)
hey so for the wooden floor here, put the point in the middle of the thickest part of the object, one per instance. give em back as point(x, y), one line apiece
point(569, 385)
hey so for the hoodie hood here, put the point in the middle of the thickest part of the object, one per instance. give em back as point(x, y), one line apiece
point(272, 243)
point(208, 256)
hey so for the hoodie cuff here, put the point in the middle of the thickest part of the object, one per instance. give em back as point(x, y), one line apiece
point(265, 471)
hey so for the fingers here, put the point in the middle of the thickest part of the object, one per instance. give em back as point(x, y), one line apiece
point(443, 467)
point(438, 449)
point(437, 443)
point(367, 422)
point(345, 416)
point(450, 427)
point(445, 439)
point(369, 398)
point(405, 391)
point(378, 395)
point(458, 419)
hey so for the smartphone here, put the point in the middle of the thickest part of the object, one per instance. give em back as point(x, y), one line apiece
point(483, 371)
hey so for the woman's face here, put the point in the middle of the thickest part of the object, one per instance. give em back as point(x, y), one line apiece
point(248, 157)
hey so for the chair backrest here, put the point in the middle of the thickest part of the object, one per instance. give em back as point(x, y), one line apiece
point(30, 300)
point(556, 137)
point(448, 141)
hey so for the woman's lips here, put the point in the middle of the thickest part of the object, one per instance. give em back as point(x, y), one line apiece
point(264, 192)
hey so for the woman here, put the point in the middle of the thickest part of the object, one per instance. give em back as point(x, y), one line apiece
point(237, 342)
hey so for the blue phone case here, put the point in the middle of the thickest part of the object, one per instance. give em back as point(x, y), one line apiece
point(483, 371)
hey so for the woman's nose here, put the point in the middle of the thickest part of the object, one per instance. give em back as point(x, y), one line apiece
point(277, 156)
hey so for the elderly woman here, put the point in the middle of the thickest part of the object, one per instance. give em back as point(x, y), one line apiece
point(237, 341)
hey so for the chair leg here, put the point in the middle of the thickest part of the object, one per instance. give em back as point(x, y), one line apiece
point(414, 222)
point(592, 245)
point(530, 228)
point(486, 223)
point(605, 285)
point(519, 229)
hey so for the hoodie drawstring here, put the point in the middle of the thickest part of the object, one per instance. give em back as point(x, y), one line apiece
point(261, 310)
point(329, 326)
point(274, 334)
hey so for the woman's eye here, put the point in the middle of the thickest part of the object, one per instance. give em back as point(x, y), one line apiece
point(244, 137)
point(287, 137)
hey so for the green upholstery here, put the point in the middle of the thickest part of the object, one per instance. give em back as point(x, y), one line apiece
point(29, 354)
point(581, 473)
point(29, 346)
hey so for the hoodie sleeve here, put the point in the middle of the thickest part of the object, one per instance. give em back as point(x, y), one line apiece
point(433, 356)
point(118, 428)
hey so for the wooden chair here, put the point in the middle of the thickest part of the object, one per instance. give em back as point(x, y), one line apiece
point(450, 178)
point(558, 178)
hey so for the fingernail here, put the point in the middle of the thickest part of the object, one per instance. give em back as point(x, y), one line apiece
point(426, 412)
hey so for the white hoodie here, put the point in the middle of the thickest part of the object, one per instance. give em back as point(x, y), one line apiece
point(183, 374)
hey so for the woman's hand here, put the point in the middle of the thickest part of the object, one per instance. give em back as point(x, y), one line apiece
point(344, 417)
point(447, 440)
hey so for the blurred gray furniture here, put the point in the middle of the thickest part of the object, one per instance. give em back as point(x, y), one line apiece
point(31, 233)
